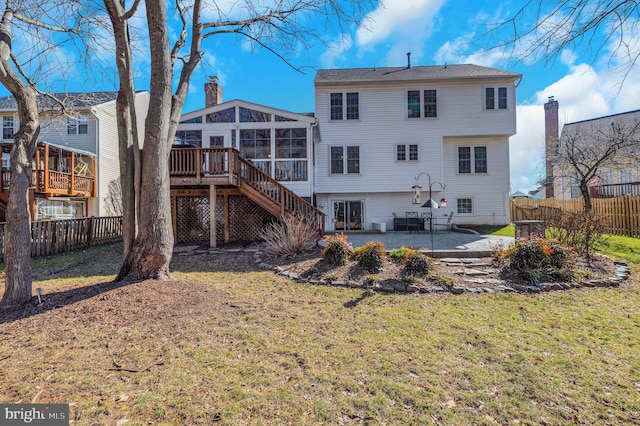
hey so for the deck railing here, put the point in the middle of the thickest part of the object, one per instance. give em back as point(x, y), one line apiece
point(615, 190)
point(51, 181)
point(228, 161)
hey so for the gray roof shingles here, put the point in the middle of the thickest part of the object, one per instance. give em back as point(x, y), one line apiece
point(74, 100)
point(416, 73)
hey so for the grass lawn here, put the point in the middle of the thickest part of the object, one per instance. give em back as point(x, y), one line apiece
point(238, 346)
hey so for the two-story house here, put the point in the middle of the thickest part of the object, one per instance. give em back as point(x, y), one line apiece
point(617, 174)
point(381, 128)
point(77, 155)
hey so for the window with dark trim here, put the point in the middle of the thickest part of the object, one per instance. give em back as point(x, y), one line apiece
point(336, 106)
point(476, 163)
point(422, 103)
point(349, 109)
point(401, 152)
point(464, 159)
point(502, 98)
point(480, 159)
point(353, 108)
point(430, 103)
point(345, 164)
point(464, 205)
point(490, 98)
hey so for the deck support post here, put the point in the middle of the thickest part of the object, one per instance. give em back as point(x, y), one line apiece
point(212, 225)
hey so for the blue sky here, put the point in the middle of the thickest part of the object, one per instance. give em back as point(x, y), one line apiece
point(435, 32)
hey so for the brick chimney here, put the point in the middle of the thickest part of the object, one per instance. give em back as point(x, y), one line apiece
point(551, 134)
point(212, 92)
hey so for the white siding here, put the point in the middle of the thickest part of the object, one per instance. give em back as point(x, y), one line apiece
point(108, 155)
point(383, 124)
point(54, 130)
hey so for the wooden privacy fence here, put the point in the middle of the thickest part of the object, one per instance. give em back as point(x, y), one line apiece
point(621, 214)
point(57, 236)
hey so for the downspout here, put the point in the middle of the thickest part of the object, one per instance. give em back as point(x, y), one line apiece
point(94, 111)
point(313, 159)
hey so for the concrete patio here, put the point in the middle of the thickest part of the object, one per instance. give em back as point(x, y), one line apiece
point(445, 244)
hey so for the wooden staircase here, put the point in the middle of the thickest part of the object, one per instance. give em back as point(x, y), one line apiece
point(225, 166)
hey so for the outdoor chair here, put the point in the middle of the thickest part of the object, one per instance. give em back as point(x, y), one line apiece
point(413, 222)
point(426, 221)
point(446, 225)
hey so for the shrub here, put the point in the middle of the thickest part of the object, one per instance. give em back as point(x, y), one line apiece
point(536, 259)
point(416, 263)
point(582, 231)
point(337, 249)
point(371, 256)
point(291, 235)
point(397, 255)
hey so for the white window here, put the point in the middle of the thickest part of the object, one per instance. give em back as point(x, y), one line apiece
point(407, 152)
point(8, 126)
point(349, 109)
point(472, 159)
point(78, 125)
point(422, 103)
point(495, 98)
point(464, 205)
point(291, 154)
point(345, 160)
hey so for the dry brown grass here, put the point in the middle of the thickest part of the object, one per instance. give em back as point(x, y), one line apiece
point(224, 343)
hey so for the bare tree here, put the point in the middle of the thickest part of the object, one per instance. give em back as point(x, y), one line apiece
point(587, 149)
point(281, 27)
point(542, 30)
point(113, 201)
point(39, 18)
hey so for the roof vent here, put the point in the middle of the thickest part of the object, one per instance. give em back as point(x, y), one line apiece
point(408, 60)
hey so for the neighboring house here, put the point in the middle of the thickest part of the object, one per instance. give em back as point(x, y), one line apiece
point(620, 176)
point(382, 127)
point(77, 155)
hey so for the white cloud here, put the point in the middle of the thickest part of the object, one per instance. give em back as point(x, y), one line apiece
point(336, 50)
point(403, 25)
point(583, 93)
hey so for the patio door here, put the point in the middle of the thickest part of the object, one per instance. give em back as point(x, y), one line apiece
point(215, 162)
point(348, 215)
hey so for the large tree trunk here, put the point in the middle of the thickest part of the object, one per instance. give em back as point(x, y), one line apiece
point(129, 152)
point(153, 247)
point(18, 275)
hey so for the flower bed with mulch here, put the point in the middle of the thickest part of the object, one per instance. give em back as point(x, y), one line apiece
point(456, 275)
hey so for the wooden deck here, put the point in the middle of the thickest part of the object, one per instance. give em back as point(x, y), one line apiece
point(225, 168)
point(59, 172)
